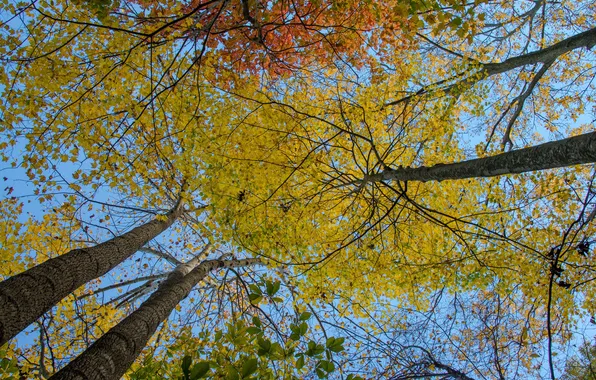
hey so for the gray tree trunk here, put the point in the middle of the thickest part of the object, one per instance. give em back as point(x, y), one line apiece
point(112, 354)
point(555, 154)
point(27, 296)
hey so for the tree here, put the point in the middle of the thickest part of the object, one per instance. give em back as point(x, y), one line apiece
point(245, 349)
point(318, 170)
point(28, 295)
point(112, 355)
point(582, 365)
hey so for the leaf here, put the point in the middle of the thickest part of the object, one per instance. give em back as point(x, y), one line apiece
point(199, 370)
point(276, 348)
point(272, 287)
point(321, 374)
point(255, 289)
point(303, 328)
point(300, 362)
point(354, 377)
point(232, 373)
point(328, 365)
point(218, 335)
point(264, 346)
point(335, 344)
point(186, 362)
point(314, 349)
point(305, 316)
point(255, 298)
point(249, 367)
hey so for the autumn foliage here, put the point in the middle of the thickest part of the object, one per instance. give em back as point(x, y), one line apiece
point(370, 157)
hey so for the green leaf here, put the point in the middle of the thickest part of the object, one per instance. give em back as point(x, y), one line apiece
point(302, 329)
point(300, 362)
point(305, 316)
point(276, 348)
point(199, 370)
point(339, 348)
point(239, 341)
point(335, 344)
point(264, 346)
point(321, 374)
point(256, 321)
point(269, 286)
point(249, 367)
point(318, 350)
point(272, 287)
point(186, 362)
point(330, 342)
point(255, 289)
point(289, 351)
point(253, 330)
point(8, 366)
point(254, 298)
point(314, 349)
point(455, 22)
point(327, 365)
point(232, 373)
point(353, 377)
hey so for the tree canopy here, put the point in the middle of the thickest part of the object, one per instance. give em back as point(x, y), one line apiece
point(290, 189)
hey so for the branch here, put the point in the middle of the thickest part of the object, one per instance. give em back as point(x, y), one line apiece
point(586, 39)
point(555, 154)
point(520, 100)
point(161, 254)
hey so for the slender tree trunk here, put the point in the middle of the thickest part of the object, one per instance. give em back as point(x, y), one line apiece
point(555, 154)
point(112, 354)
point(27, 296)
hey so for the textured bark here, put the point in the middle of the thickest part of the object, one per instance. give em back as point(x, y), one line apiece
point(112, 354)
point(586, 39)
point(555, 154)
point(27, 296)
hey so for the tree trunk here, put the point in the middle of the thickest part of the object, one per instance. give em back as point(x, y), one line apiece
point(555, 154)
point(27, 296)
point(112, 354)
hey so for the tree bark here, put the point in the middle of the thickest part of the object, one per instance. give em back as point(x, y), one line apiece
point(555, 154)
point(586, 39)
point(27, 296)
point(112, 354)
